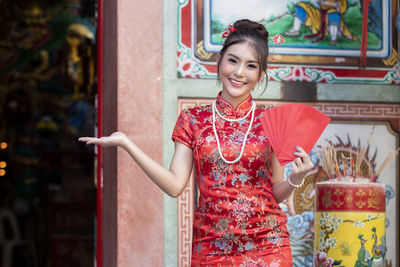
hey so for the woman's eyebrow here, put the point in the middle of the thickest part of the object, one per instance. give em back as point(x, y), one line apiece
point(249, 61)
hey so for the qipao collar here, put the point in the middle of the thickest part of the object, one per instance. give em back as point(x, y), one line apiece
point(229, 111)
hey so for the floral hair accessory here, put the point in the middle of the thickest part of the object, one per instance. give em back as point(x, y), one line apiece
point(278, 39)
point(230, 30)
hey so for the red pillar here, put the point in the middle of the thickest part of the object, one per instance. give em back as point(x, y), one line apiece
point(132, 103)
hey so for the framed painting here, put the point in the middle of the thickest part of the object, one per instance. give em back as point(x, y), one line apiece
point(341, 41)
point(349, 130)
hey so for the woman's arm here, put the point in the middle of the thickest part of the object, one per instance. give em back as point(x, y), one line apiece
point(300, 167)
point(172, 181)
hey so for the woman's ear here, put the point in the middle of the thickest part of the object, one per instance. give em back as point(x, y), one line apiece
point(218, 57)
point(262, 76)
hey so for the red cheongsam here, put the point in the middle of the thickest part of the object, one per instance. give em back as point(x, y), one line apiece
point(237, 221)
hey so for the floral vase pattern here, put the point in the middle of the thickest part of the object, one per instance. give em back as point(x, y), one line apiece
point(349, 224)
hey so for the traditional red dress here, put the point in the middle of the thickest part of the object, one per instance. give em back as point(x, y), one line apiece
point(237, 221)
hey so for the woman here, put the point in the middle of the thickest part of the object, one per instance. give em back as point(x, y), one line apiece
point(238, 221)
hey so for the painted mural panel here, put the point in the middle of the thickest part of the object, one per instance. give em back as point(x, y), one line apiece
point(323, 41)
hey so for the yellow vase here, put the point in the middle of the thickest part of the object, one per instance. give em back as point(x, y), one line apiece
point(349, 223)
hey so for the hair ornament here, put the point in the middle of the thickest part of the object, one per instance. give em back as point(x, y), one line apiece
point(278, 39)
point(230, 30)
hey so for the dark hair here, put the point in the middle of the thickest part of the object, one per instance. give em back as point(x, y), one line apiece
point(256, 35)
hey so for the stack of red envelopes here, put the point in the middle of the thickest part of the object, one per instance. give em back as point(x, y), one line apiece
point(292, 125)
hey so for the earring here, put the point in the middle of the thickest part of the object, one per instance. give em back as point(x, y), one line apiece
point(259, 86)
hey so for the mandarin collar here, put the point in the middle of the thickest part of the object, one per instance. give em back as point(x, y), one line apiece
point(229, 111)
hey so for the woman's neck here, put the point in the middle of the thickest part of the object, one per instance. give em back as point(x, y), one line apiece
point(234, 101)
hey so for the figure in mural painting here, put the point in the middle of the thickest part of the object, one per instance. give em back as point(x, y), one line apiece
point(323, 20)
point(238, 221)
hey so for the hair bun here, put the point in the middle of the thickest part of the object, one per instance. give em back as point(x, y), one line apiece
point(248, 25)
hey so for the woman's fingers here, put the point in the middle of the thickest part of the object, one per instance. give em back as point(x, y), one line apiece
point(86, 139)
point(91, 140)
point(298, 161)
point(303, 162)
point(304, 155)
point(115, 139)
point(300, 152)
point(301, 165)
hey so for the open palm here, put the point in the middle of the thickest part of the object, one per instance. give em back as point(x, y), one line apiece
point(115, 139)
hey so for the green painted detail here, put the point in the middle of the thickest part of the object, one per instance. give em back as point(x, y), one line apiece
point(194, 69)
point(315, 75)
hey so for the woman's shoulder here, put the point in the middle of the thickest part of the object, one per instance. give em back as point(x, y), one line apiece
point(198, 110)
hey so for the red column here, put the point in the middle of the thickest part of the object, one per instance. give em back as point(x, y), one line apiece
point(132, 103)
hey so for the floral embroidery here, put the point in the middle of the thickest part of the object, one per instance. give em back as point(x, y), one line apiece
point(242, 208)
point(249, 262)
point(237, 214)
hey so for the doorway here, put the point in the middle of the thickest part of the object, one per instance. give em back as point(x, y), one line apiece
point(48, 94)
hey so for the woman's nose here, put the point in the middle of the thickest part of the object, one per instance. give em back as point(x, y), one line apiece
point(239, 70)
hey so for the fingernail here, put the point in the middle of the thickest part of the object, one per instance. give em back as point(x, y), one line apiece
point(297, 147)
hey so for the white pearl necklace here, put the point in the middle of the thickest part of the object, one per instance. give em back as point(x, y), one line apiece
point(214, 108)
point(239, 119)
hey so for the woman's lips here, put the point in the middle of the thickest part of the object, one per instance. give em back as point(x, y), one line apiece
point(236, 83)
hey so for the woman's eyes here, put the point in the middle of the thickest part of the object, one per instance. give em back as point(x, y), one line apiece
point(250, 66)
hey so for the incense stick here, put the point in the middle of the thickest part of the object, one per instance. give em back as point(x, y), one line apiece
point(387, 160)
point(328, 158)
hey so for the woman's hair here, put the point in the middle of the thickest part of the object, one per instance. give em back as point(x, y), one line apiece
point(256, 35)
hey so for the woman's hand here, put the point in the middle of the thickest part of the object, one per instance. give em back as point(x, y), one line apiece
point(172, 181)
point(115, 139)
point(300, 166)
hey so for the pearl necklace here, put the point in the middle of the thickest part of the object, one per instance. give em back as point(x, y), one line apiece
point(242, 118)
point(214, 108)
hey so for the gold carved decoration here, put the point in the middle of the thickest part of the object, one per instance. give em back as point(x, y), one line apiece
point(392, 60)
point(203, 53)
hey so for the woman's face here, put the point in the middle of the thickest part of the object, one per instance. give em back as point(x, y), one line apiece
point(239, 72)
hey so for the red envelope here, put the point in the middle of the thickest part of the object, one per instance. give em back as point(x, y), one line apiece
point(292, 125)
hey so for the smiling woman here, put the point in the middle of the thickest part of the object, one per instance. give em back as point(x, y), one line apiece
point(239, 72)
point(238, 221)
point(242, 61)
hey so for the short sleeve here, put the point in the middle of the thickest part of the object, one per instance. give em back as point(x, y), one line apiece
point(183, 131)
